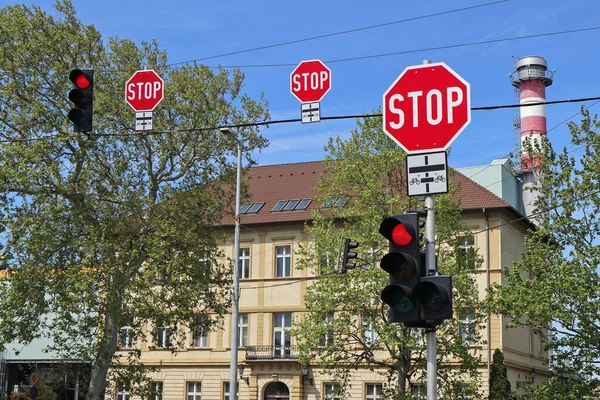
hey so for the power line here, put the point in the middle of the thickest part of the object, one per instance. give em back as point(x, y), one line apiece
point(270, 46)
point(281, 121)
point(421, 50)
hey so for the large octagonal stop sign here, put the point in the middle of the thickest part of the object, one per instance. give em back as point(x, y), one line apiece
point(144, 90)
point(426, 108)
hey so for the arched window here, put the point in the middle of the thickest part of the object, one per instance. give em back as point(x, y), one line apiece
point(277, 390)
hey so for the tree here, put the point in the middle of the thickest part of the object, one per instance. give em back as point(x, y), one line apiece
point(346, 327)
point(499, 383)
point(112, 228)
point(555, 286)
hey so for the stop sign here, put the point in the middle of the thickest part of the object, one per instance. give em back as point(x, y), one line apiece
point(426, 108)
point(310, 81)
point(144, 90)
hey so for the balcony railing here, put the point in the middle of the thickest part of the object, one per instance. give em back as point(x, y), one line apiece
point(271, 352)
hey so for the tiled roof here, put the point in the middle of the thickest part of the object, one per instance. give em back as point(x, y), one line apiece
point(271, 183)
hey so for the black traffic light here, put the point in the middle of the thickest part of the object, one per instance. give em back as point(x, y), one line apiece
point(417, 300)
point(403, 263)
point(434, 295)
point(348, 254)
point(82, 96)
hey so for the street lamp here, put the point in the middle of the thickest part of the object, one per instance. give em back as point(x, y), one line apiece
point(236, 278)
point(532, 374)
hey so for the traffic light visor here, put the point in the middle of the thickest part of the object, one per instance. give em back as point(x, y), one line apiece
point(398, 298)
point(397, 232)
point(80, 79)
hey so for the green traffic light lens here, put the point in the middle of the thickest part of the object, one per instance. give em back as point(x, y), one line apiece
point(402, 304)
point(432, 299)
point(434, 302)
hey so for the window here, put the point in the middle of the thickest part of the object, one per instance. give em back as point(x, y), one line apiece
point(282, 339)
point(156, 390)
point(289, 205)
point(122, 392)
point(465, 252)
point(194, 390)
point(325, 264)
point(279, 205)
point(243, 330)
point(335, 202)
point(331, 391)
point(283, 261)
point(200, 338)
point(370, 335)
point(163, 337)
point(374, 392)
point(467, 327)
point(126, 336)
point(244, 269)
point(226, 390)
point(303, 205)
point(255, 207)
point(327, 337)
point(251, 208)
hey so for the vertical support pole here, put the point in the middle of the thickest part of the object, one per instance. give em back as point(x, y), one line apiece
point(236, 282)
point(431, 270)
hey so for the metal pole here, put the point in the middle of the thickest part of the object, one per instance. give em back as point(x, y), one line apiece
point(236, 282)
point(431, 270)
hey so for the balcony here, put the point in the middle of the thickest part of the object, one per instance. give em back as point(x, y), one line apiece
point(271, 353)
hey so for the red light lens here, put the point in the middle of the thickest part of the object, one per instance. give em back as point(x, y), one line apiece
point(400, 235)
point(82, 81)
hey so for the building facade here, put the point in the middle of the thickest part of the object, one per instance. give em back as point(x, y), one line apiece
point(273, 291)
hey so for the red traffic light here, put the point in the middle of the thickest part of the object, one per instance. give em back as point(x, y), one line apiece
point(80, 79)
point(401, 236)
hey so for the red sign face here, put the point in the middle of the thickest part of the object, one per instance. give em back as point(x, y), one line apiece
point(426, 108)
point(310, 81)
point(144, 90)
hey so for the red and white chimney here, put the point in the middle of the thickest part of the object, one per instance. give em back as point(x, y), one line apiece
point(531, 76)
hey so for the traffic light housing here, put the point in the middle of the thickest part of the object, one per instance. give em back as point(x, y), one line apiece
point(82, 96)
point(349, 254)
point(403, 264)
point(417, 300)
point(434, 295)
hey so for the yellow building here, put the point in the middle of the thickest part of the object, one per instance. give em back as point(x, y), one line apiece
point(272, 296)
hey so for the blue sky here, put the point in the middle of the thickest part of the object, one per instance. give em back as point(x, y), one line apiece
point(196, 29)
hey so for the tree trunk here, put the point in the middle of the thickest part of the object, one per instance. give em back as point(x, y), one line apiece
point(107, 349)
point(402, 369)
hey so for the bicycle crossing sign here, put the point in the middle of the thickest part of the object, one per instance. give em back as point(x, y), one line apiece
point(427, 173)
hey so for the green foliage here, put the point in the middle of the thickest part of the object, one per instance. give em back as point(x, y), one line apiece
point(367, 169)
point(91, 221)
point(499, 383)
point(555, 286)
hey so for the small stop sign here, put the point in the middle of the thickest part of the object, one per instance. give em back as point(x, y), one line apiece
point(144, 90)
point(310, 81)
point(426, 108)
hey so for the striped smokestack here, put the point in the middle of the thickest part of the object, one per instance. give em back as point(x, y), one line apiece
point(531, 78)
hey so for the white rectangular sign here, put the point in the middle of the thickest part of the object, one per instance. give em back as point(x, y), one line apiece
point(311, 112)
point(143, 121)
point(427, 173)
